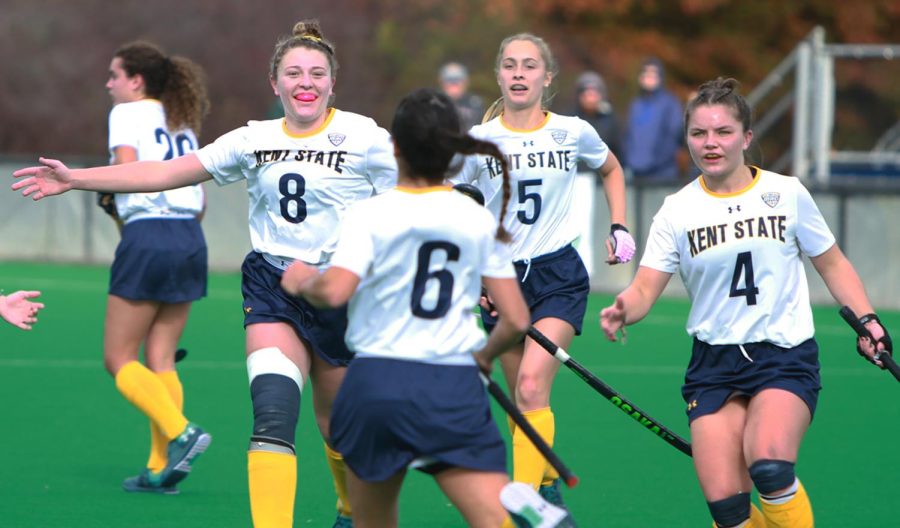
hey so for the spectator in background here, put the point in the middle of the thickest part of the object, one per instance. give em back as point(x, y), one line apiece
point(593, 106)
point(653, 136)
point(454, 79)
point(17, 310)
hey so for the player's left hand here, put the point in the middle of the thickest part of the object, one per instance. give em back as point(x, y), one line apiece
point(620, 245)
point(882, 344)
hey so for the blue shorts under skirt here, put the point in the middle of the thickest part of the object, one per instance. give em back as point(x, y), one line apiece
point(553, 285)
point(390, 413)
point(717, 372)
point(162, 260)
point(265, 301)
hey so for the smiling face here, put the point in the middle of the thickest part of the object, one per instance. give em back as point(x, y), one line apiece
point(121, 87)
point(717, 140)
point(305, 84)
point(522, 75)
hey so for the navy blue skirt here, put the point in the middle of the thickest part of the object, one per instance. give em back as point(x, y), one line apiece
point(390, 413)
point(161, 260)
point(554, 285)
point(265, 301)
point(716, 372)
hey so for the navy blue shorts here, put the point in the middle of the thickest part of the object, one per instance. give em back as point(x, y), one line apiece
point(390, 412)
point(266, 302)
point(716, 372)
point(161, 260)
point(554, 285)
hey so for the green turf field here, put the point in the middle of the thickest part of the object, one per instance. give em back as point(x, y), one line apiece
point(69, 438)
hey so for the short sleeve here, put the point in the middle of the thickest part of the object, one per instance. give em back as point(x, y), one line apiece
point(591, 149)
point(122, 131)
point(813, 235)
point(222, 158)
point(355, 249)
point(381, 166)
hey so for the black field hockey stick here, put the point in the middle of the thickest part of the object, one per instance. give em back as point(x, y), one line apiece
point(885, 357)
point(564, 473)
point(610, 394)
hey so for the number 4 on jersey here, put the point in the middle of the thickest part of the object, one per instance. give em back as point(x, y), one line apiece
point(744, 266)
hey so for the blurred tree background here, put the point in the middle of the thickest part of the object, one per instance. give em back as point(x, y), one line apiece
point(54, 54)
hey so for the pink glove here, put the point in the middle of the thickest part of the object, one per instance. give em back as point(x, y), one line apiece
point(621, 242)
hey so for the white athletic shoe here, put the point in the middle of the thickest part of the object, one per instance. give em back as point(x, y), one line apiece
point(529, 510)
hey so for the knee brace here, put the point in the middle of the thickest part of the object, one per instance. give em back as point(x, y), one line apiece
point(770, 476)
point(275, 388)
point(730, 511)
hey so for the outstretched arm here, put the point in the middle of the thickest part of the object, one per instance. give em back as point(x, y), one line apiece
point(53, 177)
point(17, 310)
point(634, 302)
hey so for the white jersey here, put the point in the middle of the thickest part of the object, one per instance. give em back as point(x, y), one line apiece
point(739, 258)
point(420, 255)
point(543, 163)
point(300, 186)
point(142, 126)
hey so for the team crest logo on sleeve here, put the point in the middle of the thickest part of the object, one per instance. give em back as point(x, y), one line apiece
point(771, 198)
point(558, 135)
point(336, 139)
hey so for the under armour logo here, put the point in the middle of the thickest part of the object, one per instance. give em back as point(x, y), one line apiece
point(528, 143)
point(735, 208)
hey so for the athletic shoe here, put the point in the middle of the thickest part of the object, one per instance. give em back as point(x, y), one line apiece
point(552, 494)
point(342, 521)
point(181, 452)
point(529, 510)
point(146, 482)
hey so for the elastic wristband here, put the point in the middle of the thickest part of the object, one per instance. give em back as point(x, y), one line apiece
point(869, 317)
point(617, 227)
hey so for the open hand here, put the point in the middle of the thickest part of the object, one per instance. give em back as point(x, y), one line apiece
point(50, 178)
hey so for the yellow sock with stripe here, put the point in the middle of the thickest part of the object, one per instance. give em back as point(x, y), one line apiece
point(529, 464)
point(339, 475)
point(790, 509)
point(158, 442)
point(273, 486)
point(145, 391)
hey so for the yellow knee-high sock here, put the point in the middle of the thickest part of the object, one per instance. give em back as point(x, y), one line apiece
point(512, 425)
point(273, 486)
point(550, 473)
point(757, 519)
point(339, 475)
point(145, 391)
point(529, 465)
point(158, 441)
point(788, 511)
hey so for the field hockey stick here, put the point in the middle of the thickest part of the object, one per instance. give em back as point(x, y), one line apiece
point(564, 473)
point(885, 356)
point(614, 397)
